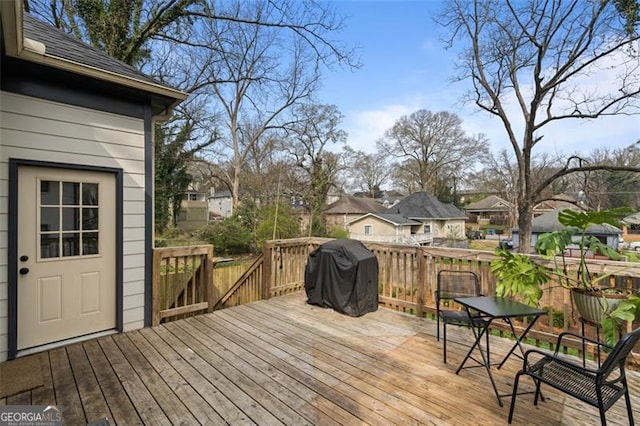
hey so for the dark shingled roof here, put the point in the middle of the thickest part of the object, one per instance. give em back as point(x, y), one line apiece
point(63, 45)
point(354, 205)
point(421, 205)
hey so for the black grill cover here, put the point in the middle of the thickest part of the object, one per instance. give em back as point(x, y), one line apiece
point(343, 275)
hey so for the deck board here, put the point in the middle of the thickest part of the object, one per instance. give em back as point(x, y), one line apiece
point(281, 361)
point(120, 406)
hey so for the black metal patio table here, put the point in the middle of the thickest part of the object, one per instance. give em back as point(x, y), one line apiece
point(490, 309)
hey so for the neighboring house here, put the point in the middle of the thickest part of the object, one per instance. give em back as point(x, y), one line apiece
point(490, 210)
point(388, 228)
point(549, 222)
point(194, 211)
point(347, 208)
point(220, 204)
point(425, 217)
point(439, 219)
point(76, 168)
point(558, 202)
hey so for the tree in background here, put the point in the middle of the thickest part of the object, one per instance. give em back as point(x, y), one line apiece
point(534, 63)
point(602, 189)
point(314, 129)
point(176, 142)
point(499, 175)
point(366, 172)
point(432, 150)
point(255, 74)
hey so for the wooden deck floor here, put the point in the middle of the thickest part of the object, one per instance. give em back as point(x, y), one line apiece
point(282, 361)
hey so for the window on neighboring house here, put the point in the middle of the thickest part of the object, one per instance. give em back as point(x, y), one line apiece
point(427, 229)
point(368, 230)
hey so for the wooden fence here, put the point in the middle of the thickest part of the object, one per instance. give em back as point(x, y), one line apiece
point(226, 272)
point(181, 281)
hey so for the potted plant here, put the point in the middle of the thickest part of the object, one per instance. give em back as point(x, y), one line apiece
point(519, 275)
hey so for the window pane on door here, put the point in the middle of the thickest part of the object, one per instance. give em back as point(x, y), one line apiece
point(50, 192)
point(70, 219)
point(49, 219)
point(71, 244)
point(49, 245)
point(70, 193)
point(90, 243)
point(89, 219)
point(89, 194)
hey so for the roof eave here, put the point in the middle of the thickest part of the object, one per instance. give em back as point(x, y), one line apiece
point(13, 35)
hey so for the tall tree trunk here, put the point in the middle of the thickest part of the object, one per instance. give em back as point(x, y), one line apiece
point(525, 213)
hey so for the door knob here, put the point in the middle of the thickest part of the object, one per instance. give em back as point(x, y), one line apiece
point(24, 271)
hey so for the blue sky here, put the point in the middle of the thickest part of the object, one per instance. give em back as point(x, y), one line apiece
point(406, 68)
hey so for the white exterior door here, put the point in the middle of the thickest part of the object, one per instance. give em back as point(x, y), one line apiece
point(66, 254)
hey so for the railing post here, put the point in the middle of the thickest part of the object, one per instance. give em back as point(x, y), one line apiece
point(208, 282)
point(155, 288)
point(267, 267)
point(422, 276)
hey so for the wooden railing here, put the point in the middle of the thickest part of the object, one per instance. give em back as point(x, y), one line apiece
point(279, 270)
point(181, 281)
point(407, 280)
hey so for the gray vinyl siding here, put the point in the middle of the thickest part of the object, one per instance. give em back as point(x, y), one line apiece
point(41, 130)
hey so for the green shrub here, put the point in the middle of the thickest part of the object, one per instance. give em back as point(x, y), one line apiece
point(337, 232)
point(286, 223)
point(229, 237)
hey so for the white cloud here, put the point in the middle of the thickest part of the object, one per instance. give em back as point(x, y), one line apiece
point(366, 127)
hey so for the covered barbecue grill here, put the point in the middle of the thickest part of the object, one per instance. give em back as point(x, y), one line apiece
point(343, 275)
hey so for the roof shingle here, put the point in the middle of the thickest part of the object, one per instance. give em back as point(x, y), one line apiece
point(355, 205)
point(64, 46)
point(421, 205)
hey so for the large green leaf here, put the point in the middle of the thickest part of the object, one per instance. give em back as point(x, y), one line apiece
point(582, 219)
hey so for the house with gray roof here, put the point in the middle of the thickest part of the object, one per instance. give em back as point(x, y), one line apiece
point(419, 219)
point(76, 162)
point(548, 222)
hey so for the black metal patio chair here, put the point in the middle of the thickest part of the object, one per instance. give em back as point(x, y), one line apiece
point(452, 284)
point(600, 387)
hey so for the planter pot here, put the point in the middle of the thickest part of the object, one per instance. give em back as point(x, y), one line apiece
point(591, 306)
